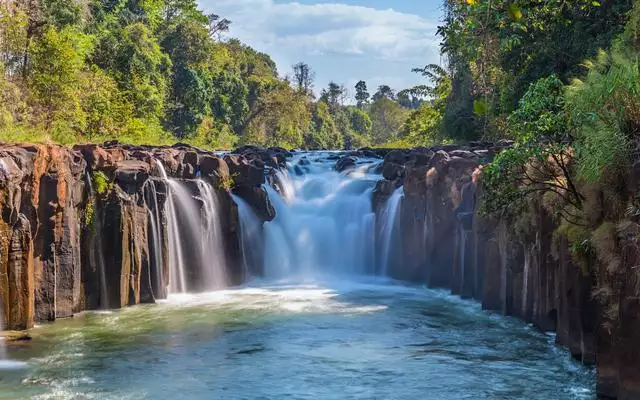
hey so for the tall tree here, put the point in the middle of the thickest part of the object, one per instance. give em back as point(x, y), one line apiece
point(362, 95)
point(303, 77)
point(384, 92)
point(334, 95)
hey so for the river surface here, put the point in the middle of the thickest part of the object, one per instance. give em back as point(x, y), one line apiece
point(371, 339)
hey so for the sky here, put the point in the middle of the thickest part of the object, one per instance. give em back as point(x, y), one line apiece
point(344, 41)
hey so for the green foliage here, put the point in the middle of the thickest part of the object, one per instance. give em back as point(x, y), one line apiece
point(387, 117)
point(90, 214)
point(100, 182)
point(213, 134)
point(56, 61)
point(540, 115)
point(322, 132)
point(497, 49)
point(422, 128)
point(539, 161)
point(605, 114)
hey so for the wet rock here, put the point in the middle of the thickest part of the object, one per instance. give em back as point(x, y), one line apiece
point(345, 163)
point(216, 170)
point(258, 200)
point(392, 171)
point(244, 173)
point(395, 156)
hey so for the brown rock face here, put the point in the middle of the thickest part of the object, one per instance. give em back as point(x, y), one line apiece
point(86, 228)
point(527, 272)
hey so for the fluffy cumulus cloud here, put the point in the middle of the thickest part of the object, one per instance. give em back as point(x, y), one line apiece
point(327, 34)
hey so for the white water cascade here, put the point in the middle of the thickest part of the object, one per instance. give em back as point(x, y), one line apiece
point(195, 238)
point(250, 238)
point(324, 220)
point(213, 255)
point(388, 229)
point(177, 278)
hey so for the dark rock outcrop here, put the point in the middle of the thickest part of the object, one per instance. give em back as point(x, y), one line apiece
point(85, 228)
point(520, 268)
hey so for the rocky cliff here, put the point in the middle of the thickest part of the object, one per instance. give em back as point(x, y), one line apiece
point(522, 266)
point(86, 228)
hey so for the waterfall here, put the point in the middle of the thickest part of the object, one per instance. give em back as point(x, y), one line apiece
point(177, 278)
point(96, 256)
point(251, 244)
point(388, 229)
point(213, 255)
point(157, 242)
point(195, 237)
point(323, 222)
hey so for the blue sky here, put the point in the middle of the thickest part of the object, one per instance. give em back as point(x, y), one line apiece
point(378, 41)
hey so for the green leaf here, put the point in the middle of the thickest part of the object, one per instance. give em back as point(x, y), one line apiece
point(595, 3)
point(479, 107)
point(514, 12)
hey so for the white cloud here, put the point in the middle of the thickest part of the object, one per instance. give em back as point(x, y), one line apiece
point(328, 28)
point(341, 42)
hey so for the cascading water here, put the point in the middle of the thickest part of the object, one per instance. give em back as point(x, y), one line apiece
point(250, 238)
point(212, 246)
point(195, 237)
point(97, 255)
point(155, 235)
point(177, 276)
point(388, 228)
point(323, 222)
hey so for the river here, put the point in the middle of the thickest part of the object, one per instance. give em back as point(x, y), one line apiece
point(365, 339)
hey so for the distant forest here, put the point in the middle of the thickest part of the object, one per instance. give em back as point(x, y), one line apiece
point(162, 71)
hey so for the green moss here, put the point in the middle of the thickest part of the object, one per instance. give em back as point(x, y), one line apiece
point(226, 183)
point(101, 184)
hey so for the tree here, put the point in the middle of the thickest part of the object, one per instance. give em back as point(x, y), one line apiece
point(322, 132)
point(384, 91)
point(362, 95)
point(217, 25)
point(142, 71)
point(56, 61)
point(387, 117)
point(333, 96)
point(281, 120)
point(303, 77)
point(540, 160)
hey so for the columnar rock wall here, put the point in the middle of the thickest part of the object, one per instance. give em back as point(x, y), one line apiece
point(520, 266)
point(69, 216)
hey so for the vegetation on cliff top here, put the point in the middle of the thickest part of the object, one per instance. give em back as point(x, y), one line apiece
point(163, 71)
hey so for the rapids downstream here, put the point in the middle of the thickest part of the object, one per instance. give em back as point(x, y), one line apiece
point(322, 321)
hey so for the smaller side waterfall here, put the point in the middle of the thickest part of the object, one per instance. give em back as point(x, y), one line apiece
point(177, 278)
point(251, 240)
point(5, 362)
point(96, 256)
point(388, 228)
point(196, 247)
point(213, 256)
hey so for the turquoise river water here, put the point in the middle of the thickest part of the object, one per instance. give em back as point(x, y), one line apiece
point(371, 339)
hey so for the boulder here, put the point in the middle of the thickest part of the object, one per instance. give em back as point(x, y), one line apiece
point(244, 173)
point(345, 163)
point(216, 170)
